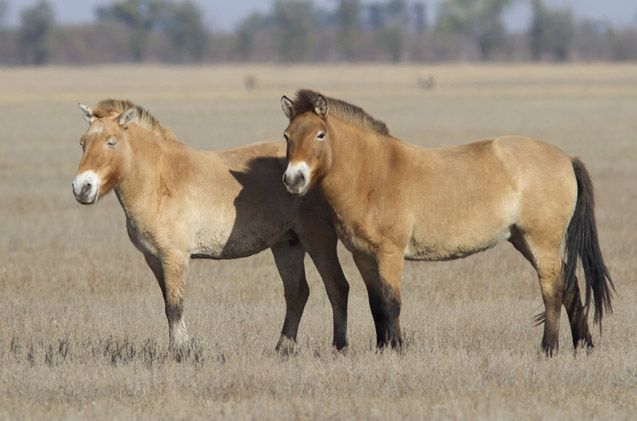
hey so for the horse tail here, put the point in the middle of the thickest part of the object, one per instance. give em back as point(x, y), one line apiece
point(582, 241)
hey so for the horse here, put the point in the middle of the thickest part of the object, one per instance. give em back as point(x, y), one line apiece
point(181, 203)
point(391, 201)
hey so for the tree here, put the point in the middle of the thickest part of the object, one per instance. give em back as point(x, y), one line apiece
point(34, 34)
point(4, 8)
point(391, 39)
point(388, 22)
point(294, 20)
point(247, 31)
point(391, 36)
point(185, 28)
point(376, 18)
point(141, 16)
point(420, 18)
point(348, 16)
point(552, 31)
point(479, 20)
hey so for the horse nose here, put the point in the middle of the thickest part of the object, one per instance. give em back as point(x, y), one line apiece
point(86, 189)
point(293, 179)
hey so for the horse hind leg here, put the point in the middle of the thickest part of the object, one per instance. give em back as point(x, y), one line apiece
point(289, 259)
point(544, 254)
point(322, 249)
point(570, 298)
point(577, 316)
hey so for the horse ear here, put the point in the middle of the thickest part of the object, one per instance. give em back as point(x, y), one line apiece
point(88, 113)
point(126, 117)
point(320, 106)
point(288, 107)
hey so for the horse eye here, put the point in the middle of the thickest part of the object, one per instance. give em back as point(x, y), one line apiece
point(320, 136)
point(111, 142)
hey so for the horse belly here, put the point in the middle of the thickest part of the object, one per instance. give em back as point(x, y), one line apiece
point(239, 238)
point(459, 238)
point(451, 248)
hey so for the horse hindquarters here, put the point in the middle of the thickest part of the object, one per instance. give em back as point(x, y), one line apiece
point(541, 243)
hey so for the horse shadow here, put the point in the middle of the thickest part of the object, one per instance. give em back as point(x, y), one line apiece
point(265, 211)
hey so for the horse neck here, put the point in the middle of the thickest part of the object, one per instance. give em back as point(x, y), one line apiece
point(139, 181)
point(356, 155)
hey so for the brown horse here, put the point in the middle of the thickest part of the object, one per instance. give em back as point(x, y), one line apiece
point(392, 201)
point(182, 203)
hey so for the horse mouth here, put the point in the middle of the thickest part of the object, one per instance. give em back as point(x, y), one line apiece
point(85, 200)
point(295, 193)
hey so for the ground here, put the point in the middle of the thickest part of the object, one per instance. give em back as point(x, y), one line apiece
point(82, 329)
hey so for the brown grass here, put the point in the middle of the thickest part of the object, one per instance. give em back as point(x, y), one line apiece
point(82, 330)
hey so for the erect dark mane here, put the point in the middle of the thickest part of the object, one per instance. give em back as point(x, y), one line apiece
point(145, 119)
point(305, 100)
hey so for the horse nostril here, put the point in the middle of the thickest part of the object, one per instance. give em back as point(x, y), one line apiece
point(285, 179)
point(86, 188)
point(301, 175)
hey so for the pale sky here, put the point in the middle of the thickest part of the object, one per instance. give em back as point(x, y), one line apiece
point(224, 14)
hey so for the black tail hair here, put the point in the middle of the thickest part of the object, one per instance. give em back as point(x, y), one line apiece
point(582, 241)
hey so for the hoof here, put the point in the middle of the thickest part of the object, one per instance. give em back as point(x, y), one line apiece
point(191, 350)
point(340, 346)
point(285, 346)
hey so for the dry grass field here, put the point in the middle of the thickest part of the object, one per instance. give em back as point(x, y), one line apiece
point(82, 329)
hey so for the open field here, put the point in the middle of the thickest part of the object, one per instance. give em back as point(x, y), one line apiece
point(82, 328)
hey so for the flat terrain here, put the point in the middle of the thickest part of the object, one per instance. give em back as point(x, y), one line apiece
point(82, 329)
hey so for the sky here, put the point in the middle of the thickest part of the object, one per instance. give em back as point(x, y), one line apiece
point(223, 15)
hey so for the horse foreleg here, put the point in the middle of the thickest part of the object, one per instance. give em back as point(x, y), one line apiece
point(390, 268)
point(171, 271)
point(289, 262)
point(382, 275)
point(320, 241)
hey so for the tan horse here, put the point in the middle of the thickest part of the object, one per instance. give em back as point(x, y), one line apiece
point(182, 203)
point(392, 201)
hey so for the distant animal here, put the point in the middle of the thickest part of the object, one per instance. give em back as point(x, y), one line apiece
point(250, 83)
point(182, 203)
point(426, 82)
point(392, 201)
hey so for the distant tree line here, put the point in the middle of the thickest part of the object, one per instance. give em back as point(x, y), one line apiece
point(299, 31)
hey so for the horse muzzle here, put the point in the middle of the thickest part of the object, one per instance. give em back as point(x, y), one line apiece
point(86, 187)
point(296, 179)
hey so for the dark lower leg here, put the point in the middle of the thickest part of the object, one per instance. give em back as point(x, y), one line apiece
point(339, 310)
point(178, 334)
point(577, 316)
point(392, 312)
point(550, 340)
point(295, 299)
point(337, 289)
point(380, 320)
point(386, 313)
point(289, 262)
